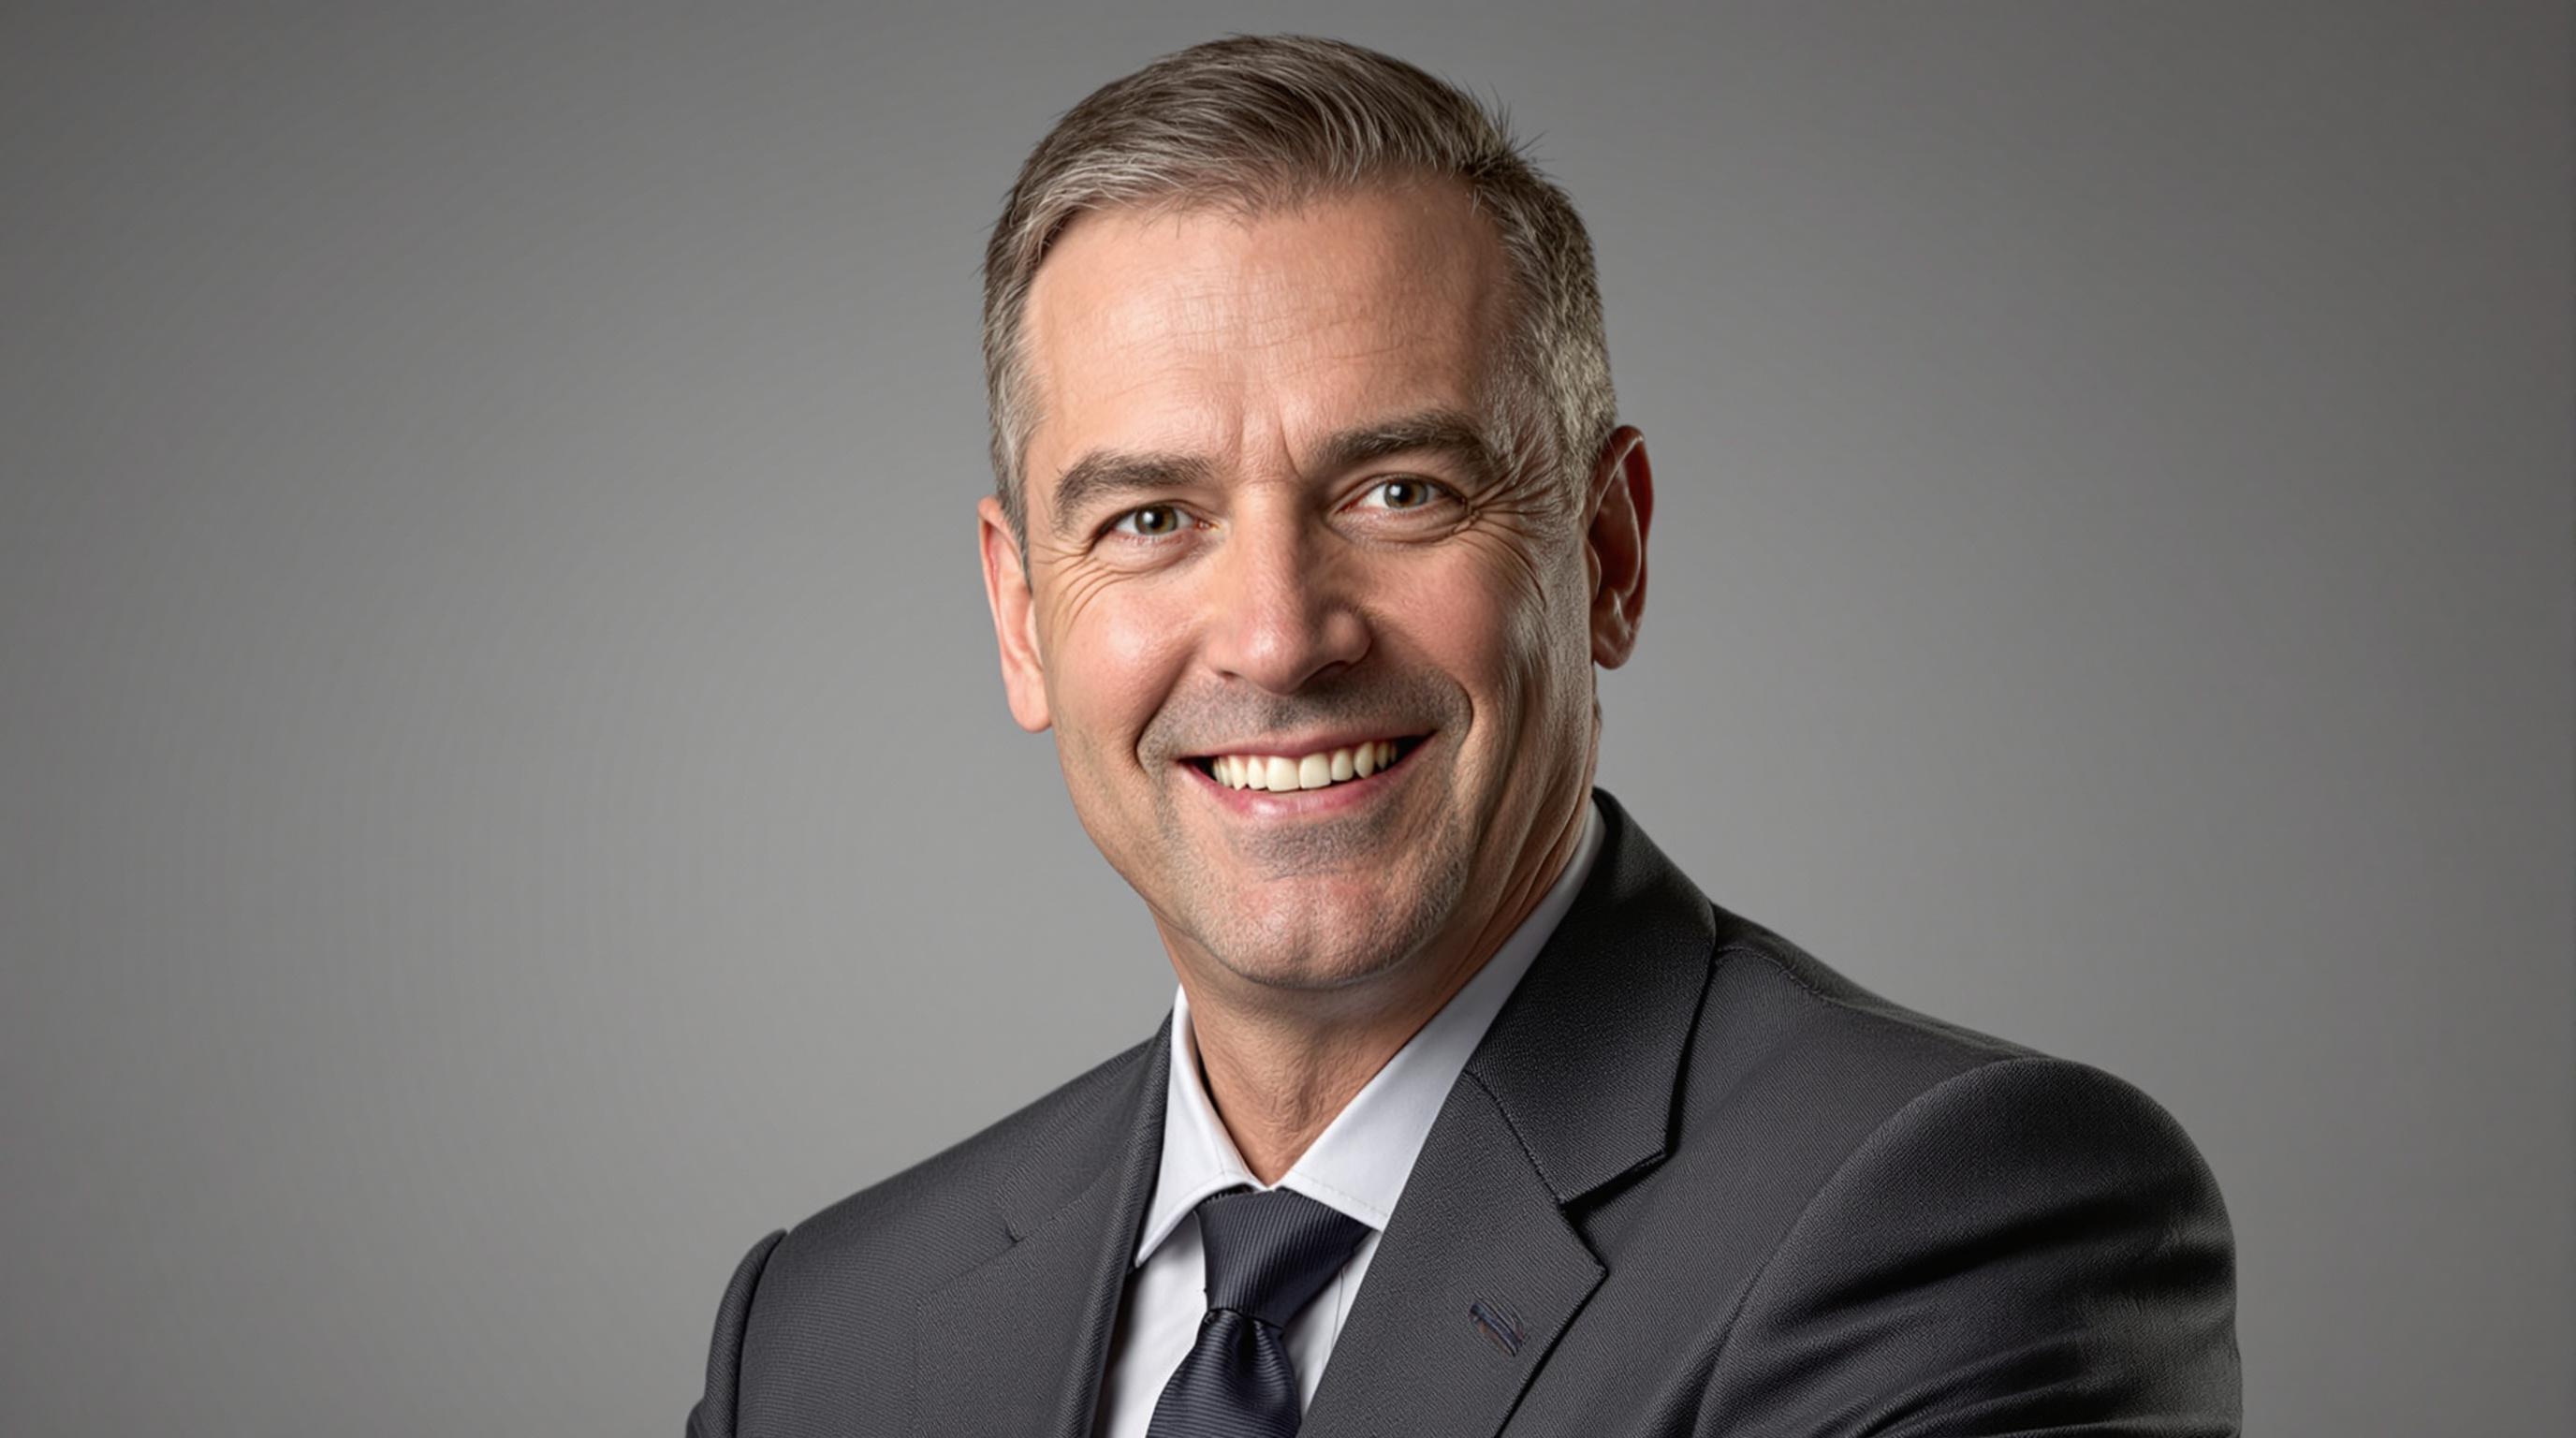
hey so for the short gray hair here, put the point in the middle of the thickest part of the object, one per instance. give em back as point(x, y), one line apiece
point(1252, 122)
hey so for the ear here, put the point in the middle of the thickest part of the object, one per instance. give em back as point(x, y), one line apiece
point(1015, 624)
point(1622, 509)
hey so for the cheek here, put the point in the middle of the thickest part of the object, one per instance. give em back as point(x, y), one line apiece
point(1111, 661)
point(1506, 598)
point(1512, 629)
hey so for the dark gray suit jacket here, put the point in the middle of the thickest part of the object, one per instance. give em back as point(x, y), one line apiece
point(1692, 1182)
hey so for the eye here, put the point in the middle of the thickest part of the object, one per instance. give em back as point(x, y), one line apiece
point(1152, 521)
point(1401, 494)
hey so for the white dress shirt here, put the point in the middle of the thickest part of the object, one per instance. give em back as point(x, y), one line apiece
point(1357, 1166)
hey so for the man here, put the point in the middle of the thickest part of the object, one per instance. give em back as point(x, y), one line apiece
point(1472, 1115)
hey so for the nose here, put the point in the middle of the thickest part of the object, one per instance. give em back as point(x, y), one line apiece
point(1282, 605)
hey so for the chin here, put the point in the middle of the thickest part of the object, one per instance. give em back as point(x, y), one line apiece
point(1306, 969)
point(1329, 940)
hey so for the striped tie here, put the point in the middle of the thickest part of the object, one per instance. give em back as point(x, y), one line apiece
point(1268, 1255)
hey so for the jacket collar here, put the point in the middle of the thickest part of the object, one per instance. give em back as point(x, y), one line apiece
point(1585, 1059)
point(1480, 1270)
point(1359, 1164)
point(1014, 1348)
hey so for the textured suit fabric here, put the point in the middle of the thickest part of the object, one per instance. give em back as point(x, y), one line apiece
point(1692, 1183)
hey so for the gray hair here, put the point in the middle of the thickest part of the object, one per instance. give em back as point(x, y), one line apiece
point(1255, 122)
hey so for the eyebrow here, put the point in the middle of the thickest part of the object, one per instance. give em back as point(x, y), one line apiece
point(1451, 433)
point(1105, 474)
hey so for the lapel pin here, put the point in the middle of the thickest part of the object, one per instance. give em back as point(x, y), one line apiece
point(1501, 1326)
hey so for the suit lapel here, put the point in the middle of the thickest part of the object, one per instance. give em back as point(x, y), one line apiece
point(1014, 1347)
point(1476, 1276)
point(1481, 1270)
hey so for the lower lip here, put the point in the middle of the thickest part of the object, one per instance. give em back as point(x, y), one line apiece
point(1304, 803)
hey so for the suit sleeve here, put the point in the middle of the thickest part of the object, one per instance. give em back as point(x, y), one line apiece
point(713, 1415)
point(2031, 1247)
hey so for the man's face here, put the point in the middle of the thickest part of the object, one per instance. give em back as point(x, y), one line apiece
point(1317, 656)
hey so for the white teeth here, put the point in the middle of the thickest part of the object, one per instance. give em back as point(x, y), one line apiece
point(1279, 774)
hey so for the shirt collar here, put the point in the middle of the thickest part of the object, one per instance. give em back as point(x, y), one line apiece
point(1359, 1163)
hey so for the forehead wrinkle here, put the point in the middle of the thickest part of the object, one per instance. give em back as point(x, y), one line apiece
point(1261, 289)
point(1158, 329)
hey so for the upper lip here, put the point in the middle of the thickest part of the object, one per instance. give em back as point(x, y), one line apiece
point(1315, 742)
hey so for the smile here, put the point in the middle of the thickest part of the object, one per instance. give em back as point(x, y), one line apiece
point(1320, 770)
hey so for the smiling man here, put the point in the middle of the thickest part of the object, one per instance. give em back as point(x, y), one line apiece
point(1472, 1115)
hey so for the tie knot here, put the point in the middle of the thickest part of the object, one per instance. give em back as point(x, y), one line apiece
point(1268, 1254)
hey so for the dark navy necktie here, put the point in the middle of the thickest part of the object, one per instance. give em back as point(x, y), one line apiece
point(1268, 1255)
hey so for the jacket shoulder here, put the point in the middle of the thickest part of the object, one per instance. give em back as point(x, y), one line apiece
point(1773, 1009)
point(1795, 1061)
point(818, 1313)
point(952, 1195)
point(1999, 1235)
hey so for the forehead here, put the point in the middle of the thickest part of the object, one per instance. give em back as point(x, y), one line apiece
point(1241, 337)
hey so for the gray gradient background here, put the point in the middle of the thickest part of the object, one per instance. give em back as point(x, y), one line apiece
point(507, 796)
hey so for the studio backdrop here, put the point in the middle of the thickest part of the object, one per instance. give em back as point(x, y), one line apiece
point(504, 788)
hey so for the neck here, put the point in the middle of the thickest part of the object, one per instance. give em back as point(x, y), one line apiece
point(1281, 1064)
